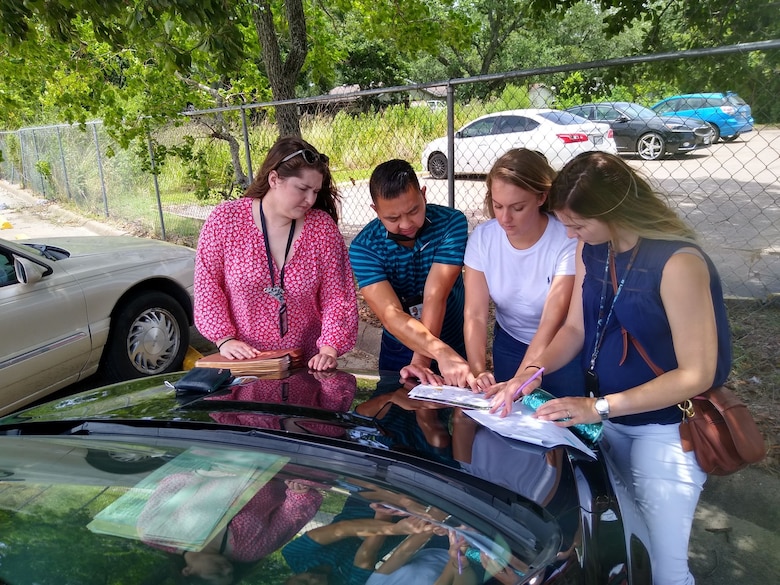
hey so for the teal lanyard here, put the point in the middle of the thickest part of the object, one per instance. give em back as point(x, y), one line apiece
point(601, 324)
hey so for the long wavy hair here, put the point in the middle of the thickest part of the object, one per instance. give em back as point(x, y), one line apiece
point(328, 195)
point(522, 168)
point(599, 185)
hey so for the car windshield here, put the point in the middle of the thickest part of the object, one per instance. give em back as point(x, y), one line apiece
point(562, 118)
point(97, 509)
point(637, 111)
point(261, 475)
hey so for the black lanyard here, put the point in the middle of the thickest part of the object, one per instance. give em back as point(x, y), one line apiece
point(275, 291)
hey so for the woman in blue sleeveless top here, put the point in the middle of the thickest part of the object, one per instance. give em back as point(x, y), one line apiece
point(647, 314)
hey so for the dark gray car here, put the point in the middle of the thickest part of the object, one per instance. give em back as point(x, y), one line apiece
point(639, 129)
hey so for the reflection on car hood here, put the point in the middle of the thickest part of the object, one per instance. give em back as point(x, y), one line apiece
point(294, 435)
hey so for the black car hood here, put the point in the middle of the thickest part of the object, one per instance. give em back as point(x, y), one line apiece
point(310, 420)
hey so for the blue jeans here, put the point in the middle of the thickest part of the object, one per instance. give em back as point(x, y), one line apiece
point(393, 355)
point(508, 352)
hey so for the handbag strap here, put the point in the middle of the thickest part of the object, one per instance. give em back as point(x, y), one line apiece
point(626, 335)
point(686, 405)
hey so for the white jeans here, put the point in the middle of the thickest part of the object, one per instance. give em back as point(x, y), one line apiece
point(666, 483)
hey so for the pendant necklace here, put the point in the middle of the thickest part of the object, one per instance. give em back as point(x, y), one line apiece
point(277, 291)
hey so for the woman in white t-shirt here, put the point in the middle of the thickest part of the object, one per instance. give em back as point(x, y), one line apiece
point(523, 261)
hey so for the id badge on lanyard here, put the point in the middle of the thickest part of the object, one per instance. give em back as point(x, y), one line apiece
point(413, 305)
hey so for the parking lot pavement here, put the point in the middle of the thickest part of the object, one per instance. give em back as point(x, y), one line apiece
point(23, 215)
point(736, 531)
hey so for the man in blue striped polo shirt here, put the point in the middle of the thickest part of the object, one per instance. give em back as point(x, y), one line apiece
point(408, 263)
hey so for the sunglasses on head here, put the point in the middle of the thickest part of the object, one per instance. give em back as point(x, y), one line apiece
point(309, 156)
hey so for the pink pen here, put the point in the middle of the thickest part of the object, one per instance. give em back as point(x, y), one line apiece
point(519, 391)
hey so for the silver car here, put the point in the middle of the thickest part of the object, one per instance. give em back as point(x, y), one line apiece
point(72, 306)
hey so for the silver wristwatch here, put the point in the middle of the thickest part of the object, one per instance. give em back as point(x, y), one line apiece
point(602, 407)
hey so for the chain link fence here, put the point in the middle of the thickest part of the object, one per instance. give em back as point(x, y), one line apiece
point(728, 189)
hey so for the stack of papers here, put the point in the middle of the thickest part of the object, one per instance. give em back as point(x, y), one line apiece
point(274, 361)
point(520, 425)
point(450, 395)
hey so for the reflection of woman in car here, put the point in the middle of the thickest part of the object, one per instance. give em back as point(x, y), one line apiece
point(332, 391)
point(648, 309)
point(268, 520)
point(523, 261)
point(272, 270)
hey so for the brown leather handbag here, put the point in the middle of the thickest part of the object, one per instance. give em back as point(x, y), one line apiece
point(717, 427)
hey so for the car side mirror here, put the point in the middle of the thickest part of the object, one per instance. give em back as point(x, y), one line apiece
point(28, 272)
point(622, 118)
point(458, 134)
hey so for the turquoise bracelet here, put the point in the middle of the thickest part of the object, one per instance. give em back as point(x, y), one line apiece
point(590, 432)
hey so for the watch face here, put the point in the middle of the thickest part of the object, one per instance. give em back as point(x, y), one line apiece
point(602, 406)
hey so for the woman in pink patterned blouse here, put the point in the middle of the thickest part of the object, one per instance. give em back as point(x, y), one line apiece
point(272, 270)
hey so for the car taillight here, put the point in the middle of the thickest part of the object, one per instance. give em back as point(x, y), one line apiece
point(573, 137)
point(728, 110)
point(610, 133)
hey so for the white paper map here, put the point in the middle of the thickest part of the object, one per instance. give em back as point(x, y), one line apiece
point(522, 426)
point(450, 395)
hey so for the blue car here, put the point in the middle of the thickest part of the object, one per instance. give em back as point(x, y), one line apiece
point(727, 114)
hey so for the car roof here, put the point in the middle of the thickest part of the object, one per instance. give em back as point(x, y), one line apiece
point(606, 104)
point(699, 95)
point(520, 112)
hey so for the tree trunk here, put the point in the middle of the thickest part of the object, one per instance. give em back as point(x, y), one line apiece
point(283, 74)
point(235, 155)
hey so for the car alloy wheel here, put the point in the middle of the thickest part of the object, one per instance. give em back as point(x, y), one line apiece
point(437, 165)
point(715, 133)
point(650, 146)
point(125, 462)
point(149, 335)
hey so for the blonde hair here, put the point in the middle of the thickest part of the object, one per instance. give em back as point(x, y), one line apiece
point(603, 186)
point(522, 168)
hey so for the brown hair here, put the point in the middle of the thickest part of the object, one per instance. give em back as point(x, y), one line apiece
point(522, 168)
point(328, 194)
point(599, 185)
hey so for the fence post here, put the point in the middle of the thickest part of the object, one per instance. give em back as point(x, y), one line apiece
point(100, 168)
point(250, 174)
point(450, 145)
point(21, 158)
point(37, 162)
point(153, 167)
point(64, 166)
